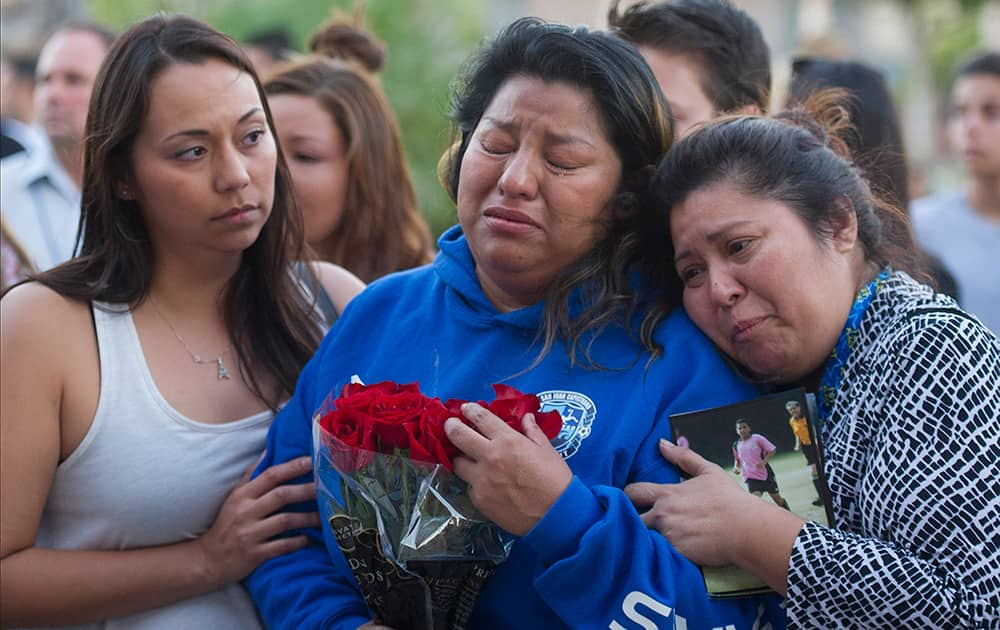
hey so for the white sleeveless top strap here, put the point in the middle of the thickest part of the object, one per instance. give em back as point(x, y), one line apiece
point(145, 475)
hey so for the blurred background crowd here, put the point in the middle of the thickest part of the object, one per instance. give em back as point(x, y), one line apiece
point(915, 43)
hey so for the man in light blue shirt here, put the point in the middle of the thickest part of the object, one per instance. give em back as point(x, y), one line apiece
point(963, 228)
point(40, 189)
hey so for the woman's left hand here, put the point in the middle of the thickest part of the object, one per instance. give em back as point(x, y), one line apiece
point(513, 479)
point(700, 516)
point(712, 520)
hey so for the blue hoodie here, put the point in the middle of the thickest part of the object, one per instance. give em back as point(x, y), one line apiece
point(590, 562)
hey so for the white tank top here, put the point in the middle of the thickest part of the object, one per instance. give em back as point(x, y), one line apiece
point(147, 475)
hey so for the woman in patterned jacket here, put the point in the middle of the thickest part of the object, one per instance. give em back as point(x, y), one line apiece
point(786, 260)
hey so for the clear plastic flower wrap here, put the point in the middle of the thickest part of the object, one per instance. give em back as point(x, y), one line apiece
point(417, 545)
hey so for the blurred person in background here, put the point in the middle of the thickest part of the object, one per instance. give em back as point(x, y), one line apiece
point(709, 57)
point(876, 142)
point(962, 227)
point(344, 150)
point(269, 48)
point(346, 38)
point(40, 192)
point(14, 265)
point(17, 109)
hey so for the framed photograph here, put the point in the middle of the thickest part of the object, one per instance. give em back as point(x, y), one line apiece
point(771, 446)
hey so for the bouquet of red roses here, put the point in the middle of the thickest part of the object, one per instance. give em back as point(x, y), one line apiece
point(418, 547)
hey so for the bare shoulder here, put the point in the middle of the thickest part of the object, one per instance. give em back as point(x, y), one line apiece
point(37, 320)
point(49, 356)
point(35, 307)
point(340, 284)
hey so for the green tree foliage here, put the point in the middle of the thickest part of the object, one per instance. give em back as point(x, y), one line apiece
point(948, 31)
point(427, 40)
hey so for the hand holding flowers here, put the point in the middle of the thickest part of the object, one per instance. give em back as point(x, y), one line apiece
point(513, 478)
point(408, 527)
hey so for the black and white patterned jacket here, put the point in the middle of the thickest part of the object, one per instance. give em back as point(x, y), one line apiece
point(912, 458)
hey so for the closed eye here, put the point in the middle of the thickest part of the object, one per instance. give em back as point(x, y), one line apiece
point(561, 168)
point(492, 148)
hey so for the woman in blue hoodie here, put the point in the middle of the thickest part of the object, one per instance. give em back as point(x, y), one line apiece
point(540, 286)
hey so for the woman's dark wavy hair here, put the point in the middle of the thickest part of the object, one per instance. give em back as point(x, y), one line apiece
point(798, 158)
point(637, 122)
point(267, 315)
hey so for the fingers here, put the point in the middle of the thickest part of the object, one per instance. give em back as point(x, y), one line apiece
point(649, 519)
point(665, 447)
point(684, 458)
point(532, 431)
point(484, 420)
point(277, 475)
point(465, 438)
point(285, 495)
point(246, 476)
point(644, 494)
point(656, 519)
point(281, 546)
point(284, 521)
point(464, 468)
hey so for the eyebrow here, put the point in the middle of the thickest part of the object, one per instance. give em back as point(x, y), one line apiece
point(205, 132)
point(558, 138)
point(712, 237)
point(302, 137)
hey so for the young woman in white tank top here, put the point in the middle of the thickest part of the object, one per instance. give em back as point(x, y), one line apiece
point(139, 379)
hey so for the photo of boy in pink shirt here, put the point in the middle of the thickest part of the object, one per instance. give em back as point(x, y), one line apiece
point(751, 452)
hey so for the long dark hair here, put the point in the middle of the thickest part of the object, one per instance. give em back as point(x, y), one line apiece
point(637, 122)
point(267, 315)
point(876, 141)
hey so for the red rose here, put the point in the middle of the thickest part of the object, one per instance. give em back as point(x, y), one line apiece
point(454, 407)
point(353, 438)
point(386, 417)
point(432, 433)
point(348, 427)
point(510, 406)
point(389, 414)
point(383, 408)
point(358, 396)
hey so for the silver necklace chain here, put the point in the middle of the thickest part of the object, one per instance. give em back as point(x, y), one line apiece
point(221, 372)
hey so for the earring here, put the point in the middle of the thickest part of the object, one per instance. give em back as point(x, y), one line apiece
point(124, 192)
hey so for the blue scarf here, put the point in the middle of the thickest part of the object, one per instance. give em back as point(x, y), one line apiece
point(836, 365)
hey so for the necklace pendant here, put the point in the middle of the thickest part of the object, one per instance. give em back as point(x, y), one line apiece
point(223, 373)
